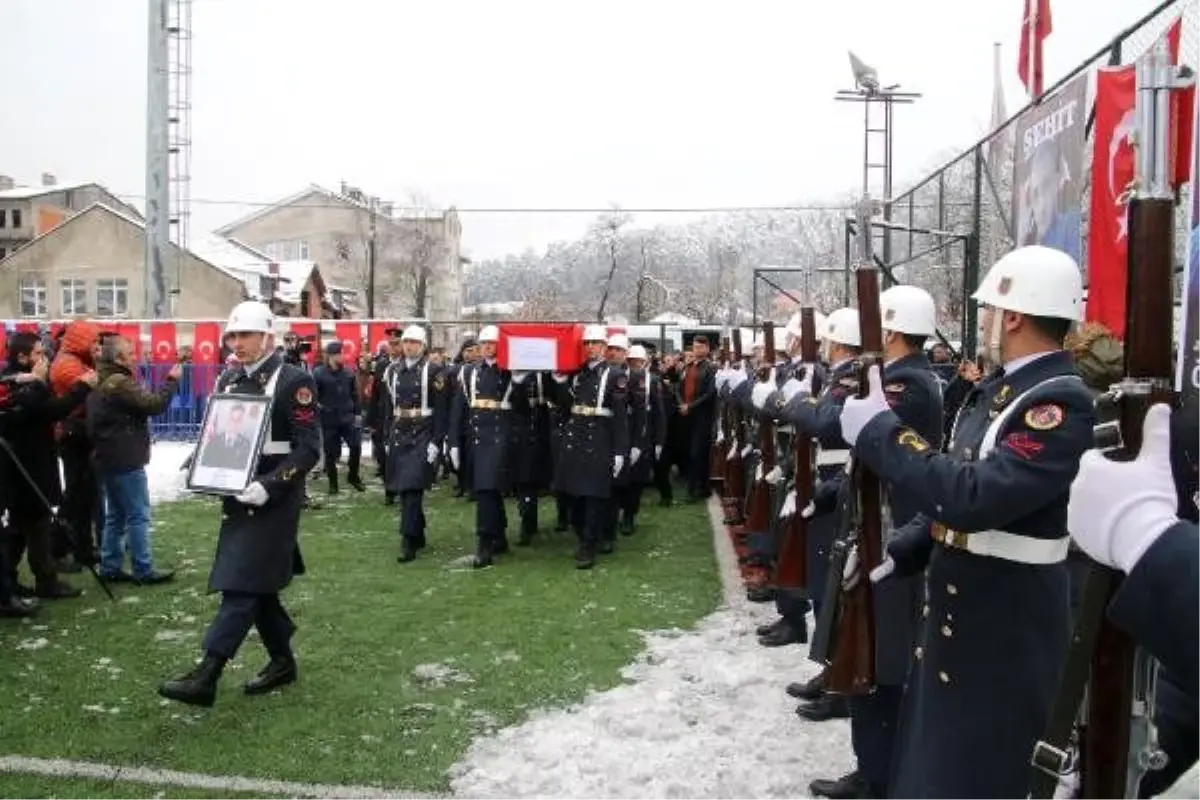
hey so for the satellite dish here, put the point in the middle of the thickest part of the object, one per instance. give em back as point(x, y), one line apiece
point(865, 77)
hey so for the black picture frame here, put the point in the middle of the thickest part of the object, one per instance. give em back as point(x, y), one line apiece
point(220, 467)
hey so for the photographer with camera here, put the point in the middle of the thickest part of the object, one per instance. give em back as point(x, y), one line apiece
point(31, 458)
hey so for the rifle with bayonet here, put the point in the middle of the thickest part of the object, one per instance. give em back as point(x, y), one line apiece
point(733, 491)
point(791, 567)
point(759, 506)
point(852, 661)
point(718, 464)
point(1107, 687)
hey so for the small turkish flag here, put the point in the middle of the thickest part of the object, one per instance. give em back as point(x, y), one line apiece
point(206, 343)
point(350, 335)
point(162, 342)
point(1035, 27)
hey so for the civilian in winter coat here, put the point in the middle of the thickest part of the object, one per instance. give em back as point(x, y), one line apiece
point(118, 415)
point(32, 480)
point(341, 416)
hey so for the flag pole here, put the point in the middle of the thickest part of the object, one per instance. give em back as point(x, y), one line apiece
point(1031, 23)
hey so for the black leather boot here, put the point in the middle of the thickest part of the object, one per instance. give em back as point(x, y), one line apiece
point(357, 483)
point(199, 686)
point(279, 671)
point(408, 551)
point(484, 556)
point(824, 708)
point(809, 690)
point(847, 787)
point(333, 482)
point(585, 556)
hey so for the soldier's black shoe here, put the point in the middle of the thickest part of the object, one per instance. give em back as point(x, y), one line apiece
point(56, 590)
point(279, 671)
point(19, 607)
point(585, 556)
point(525, 539)
point(785, 634)
point(21, 590)
point(847, 787)
point(760, 594)
point(407, 551)
point(763, 630)
point(824, 708)
point(626, 527)
point(154, 577)
point(199, 686)
point(501, 547)
point(562, 526)
point(809, 690)
point(357, 483)
point(458, 492)
point(389, 499)
point(606, 547)
point(333, 484)
point(484, 557)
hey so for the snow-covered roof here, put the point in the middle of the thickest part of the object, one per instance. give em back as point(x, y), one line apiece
point(250, 266)
point(672, 318)
point(30, 192)
point(293, 275)
point(400, 213)
point(492, 309)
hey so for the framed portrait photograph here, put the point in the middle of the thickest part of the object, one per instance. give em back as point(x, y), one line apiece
point(230, 442)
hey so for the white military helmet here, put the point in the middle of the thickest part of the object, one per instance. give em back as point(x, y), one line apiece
point(250, 316)
point(489, 333)
point(414, 333)
point(618, 340)
point(636, 352)
point(1035, 280)
point(795, 324)
point(908, 309)
point(841, 327)
point(595, 333)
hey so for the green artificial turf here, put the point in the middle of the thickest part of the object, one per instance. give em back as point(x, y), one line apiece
point(43, 786)
point(401, 665)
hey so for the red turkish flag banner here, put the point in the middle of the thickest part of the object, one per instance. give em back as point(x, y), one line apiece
point(546, 346)
point(1035, 27)
point(56, 328)
point(377, 334)
point(309, 329)
point(3, 342)
point(162, 342)
point(350, 335)
point(206, 343)
point(133, 332)
point(27, 327)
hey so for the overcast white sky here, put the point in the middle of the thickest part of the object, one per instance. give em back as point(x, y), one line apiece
point(516, 103)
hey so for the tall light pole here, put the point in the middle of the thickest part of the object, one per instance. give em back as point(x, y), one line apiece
point(158, 190)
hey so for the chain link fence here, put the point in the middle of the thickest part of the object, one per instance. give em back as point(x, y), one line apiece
point(971, 198)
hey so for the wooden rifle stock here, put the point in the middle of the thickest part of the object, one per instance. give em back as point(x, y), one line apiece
point(759, 510)
point(791, 567)
point(852, 668)
point(734, 488)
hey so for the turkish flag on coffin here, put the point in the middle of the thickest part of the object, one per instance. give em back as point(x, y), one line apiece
point(162, 342)
point(537, 346)
point(350, 335)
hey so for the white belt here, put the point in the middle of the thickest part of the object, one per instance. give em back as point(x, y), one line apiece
point(1008, 546)
point(832, 458)
point(273, 448)
point(783, 429)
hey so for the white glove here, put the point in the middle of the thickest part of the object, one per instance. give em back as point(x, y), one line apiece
point(454, 457)
point(432, 452)
point(747, 450)
point(850, 571)
point(774, 476)
point(733, 449)
point(791, 387)
point(758, 476)
point(519, 376)
point(253, 495)
point(856, 413)
point(722, 378)
point(657, 451)
point(634, 454)
point(559, 377)
point(809, 510)
point(885, 568)
point(720, 435)
point(1119, 509)
point(760, 393)
point(618, 464)
point(736, 378)
point(789, 505)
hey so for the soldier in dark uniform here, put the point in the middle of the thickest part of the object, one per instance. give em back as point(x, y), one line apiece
point(480, 411)
point(468, 355)
point(697, 405)
point(909, 316)
point(414, 400)
point(257, 546)
point(341, 416)
point(375, 418)
point(646, 439)
point(616, 347)
point(669, 371)
point(992, 530)
point(531, 451)
point(595, 439)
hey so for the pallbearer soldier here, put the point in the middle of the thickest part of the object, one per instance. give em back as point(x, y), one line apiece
point(468, 354)
point(991, 534)
point(375, 417)
point(257, 544)
point(481, 411)
point(416, 404)
point(616, 347)
point(913, 392)
point(531, 458)
point(647, 439)
point(595, 439)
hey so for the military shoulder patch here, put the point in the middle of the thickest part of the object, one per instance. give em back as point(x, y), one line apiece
point(895, 387)
point(1045, 417)
point(1002, 396)
point(304, 396)
point(911, 440)
point(622, 382)
point(849, 383)
point(439, 383)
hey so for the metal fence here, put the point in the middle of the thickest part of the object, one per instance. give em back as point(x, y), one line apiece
point(971, 196)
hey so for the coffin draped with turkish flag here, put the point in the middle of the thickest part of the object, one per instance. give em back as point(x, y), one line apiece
point(540, 346)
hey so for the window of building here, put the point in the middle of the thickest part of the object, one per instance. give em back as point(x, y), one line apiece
point(272, 250)
point(74, 297)
point(112, 297)
point(302, 249)
point(16, 217)
point(3, 218)
point(3, 253)
point(33, 297)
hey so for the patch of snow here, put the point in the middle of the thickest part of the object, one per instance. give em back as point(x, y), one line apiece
point(163, 473)
point(440, 674)
point(32, 644)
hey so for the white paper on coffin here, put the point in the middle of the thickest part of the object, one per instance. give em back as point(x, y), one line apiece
point(528, 354)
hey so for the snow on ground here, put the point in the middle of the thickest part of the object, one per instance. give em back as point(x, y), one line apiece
point(702, 714)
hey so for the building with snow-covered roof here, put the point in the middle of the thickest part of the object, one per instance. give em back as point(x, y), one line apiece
point(27, 212)
point(418, 263)
point(91, 265)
